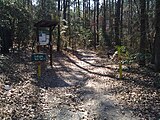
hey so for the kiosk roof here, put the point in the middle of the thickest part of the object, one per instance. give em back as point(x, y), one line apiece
point(46, 23)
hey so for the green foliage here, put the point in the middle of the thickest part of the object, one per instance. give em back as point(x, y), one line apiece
point(86, 35)
point(17, 18)
point(45, 10)
point(124, 54)
point(134, 58)
point(128, 58)
point(122, 50)
point(139, 56)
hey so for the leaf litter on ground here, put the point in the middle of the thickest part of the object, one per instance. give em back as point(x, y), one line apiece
point(21, 97)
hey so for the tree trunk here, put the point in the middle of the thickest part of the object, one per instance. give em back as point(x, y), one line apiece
point(105, 36)
point(111, 14)
point(84, 14)
point(79, 15)
point(97, 22)
point(94, 42)
point(64, 10)
point(69, 23)
point(43, 9)
point(59, 39)
point(79, 12)
point(121, 21)
point(117, 23)
point(130, 16)
point(104, 21)
point(148, 29)
point(157, 37)
point(89, 10)
point(143, 32)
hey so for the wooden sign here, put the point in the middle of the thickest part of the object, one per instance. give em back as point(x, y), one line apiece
point(38, 57)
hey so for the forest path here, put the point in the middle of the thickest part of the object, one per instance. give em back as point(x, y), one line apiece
point(80, 86)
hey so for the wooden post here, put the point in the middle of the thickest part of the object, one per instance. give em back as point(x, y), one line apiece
point(50, 43)
point(39, 70)
point(37, 35)
point(120, 62)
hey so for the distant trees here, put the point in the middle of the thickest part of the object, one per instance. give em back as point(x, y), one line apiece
point(45, 9)
point(90, 23)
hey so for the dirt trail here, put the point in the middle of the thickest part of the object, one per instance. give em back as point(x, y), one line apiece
point(80, 87)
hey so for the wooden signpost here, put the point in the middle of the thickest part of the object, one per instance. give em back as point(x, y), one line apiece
point(44, 37)
point(120, 62)
point(37, 57)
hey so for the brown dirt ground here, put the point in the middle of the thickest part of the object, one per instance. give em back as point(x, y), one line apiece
point(79, 86)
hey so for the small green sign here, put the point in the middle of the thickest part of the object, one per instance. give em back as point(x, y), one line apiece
point(38, 57)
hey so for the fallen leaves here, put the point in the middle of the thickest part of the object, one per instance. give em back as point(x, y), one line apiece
point(21, 97)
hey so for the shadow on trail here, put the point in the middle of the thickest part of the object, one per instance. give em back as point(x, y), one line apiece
point(84, 58)
point(67, 71)
point(136, 81)
point(59, 75)
point(51, 80)
point(85, 69)
point(148, 83)
point(144, 79)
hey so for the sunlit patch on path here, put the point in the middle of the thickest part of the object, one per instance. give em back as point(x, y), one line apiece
point(80, 90)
